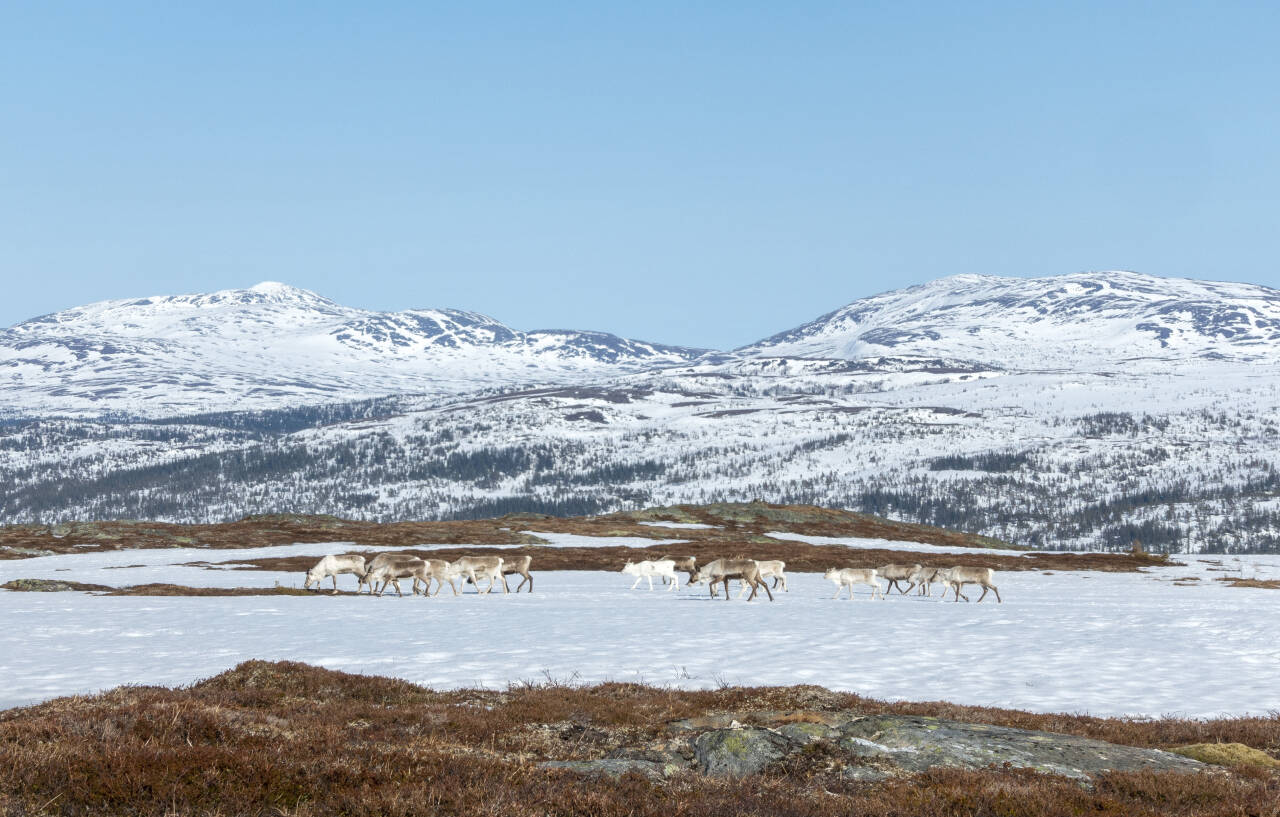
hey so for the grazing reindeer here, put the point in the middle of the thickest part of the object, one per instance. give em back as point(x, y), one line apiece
point(923, 578)
point(722, 570)
point(396, 568)
point(488, 567)
point(332, 566)
point(849, 576)
point(896, 573)
point(377, 563)
point(956, 577)
point(653, 567)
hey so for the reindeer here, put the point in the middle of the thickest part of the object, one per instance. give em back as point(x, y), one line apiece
point(378, 563)
point(689, 564)
point(896, 573)
point(849, 576)
point(333, 566)
point(923, 578)
point(956, 577)
point(771, 569)
point(399, 566)
point(439, 572)
point(722, 570)
point(519, 564)
point(653, 567)
point(489, 567)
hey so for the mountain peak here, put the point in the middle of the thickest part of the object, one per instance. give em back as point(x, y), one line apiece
point(1078, 320)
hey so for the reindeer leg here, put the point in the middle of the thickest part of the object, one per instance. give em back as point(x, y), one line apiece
point(997, 592)
point(726, 588)
point(984, 594)
point(766, 591)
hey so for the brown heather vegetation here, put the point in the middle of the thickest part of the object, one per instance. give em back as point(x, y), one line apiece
point(736, 522)
point(290, 739)
point(1265, 584)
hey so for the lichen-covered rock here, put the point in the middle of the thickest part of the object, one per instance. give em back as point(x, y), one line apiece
point(864, 774)
point(739, 752)
point(1228, 754)
point(916, 743)
point(803, 733)
point(608, 767)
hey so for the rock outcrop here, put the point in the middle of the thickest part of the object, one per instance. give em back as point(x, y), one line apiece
point(869, 748)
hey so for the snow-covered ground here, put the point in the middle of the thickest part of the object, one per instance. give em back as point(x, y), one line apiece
point(680, 525)
point(1107, 644)
point(886, 544)
point(575, 540)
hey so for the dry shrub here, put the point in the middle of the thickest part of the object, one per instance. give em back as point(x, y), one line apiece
point(286, 738)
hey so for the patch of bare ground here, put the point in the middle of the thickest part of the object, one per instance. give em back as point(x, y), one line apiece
point(732, 522)
point(45, 585)
point(1263, 584)
point(285, 738)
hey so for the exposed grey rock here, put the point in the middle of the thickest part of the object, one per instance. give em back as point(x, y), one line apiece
point(739, 752)
point(864, 774)
point(915, 743)
point(804, 733)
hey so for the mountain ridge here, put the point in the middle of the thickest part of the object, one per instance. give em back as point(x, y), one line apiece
point(273, 345)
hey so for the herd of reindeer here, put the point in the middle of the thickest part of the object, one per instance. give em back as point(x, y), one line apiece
point(389, 568)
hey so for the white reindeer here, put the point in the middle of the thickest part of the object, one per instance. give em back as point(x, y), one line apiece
point(649, 568)
point(333, 566)
point(473, 567)
point(956, 577)
point(440, 572)
point(849, 576)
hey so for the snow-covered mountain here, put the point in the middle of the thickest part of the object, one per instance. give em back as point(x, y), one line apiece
point(1066, 321)
point(1081, 411)
point(274, 345)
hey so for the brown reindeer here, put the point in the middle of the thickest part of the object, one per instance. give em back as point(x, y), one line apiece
point(722, 570)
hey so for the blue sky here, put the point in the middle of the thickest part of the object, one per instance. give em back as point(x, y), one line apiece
point(703, 174)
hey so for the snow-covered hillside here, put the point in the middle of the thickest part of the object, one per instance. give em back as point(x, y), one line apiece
point(1156, 420)
point(274, 345)
point(1066, 321)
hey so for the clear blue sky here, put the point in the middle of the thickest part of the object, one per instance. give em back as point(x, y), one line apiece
point(695, 173)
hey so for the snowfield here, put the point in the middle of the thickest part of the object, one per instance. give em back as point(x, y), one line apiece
point(1106, 644)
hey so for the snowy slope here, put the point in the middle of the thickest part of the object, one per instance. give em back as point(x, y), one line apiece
point(274, 345)
point(1066, 321)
